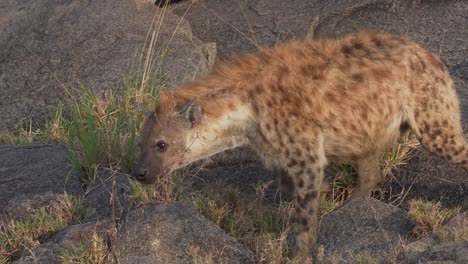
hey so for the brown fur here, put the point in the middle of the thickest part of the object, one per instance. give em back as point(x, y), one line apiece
point(303, 104)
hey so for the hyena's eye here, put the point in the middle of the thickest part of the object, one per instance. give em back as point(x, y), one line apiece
point(161, 145)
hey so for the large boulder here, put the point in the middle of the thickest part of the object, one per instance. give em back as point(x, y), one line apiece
point(177, 233)
point(364, 226)
point(36, 169)
point(49, 46)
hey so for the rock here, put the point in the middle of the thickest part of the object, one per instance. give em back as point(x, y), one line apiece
point(23, 206)
point(430, 177)
point(70, 239)
point(243, 26)
point(36, 169)
point(363, 226)
point(106, 197)
point(456, 251)
point(49, 45)
point(177, 233)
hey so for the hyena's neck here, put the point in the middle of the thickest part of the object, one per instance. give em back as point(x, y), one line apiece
point(228, 129)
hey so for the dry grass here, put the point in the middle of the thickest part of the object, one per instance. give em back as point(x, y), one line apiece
point(19, 235)
point(95, 251)
point(253, 221)
point(428, 216)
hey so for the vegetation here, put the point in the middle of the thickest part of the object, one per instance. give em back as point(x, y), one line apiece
point(429, 216)
point(19, 235)
point(95, 251)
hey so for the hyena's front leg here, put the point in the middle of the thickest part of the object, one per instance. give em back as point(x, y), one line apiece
point(306, 171)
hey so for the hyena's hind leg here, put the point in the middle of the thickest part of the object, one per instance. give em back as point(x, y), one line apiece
point(437, 123)
point(369, 176)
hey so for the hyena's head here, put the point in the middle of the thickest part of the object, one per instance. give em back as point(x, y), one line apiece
point(164, 140)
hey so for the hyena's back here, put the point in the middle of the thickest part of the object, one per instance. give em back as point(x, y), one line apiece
point(361, 91)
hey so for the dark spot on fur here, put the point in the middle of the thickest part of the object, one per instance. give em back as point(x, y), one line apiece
point(269, 103)
point(275, 122)
point(346, 50)
point(377, 43)
point(437, 132)
point(301, 183)
point(358, 77)
point(298, 152)
point(302, 163)
point(329, 96)
point(312, 158)
point(313, 194)
point(445, 123)
point(292, 163)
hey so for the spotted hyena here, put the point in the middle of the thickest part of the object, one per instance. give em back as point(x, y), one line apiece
point(303, 104)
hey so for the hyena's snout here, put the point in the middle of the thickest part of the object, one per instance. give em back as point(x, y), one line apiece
point(139, 173)
point(147, 171)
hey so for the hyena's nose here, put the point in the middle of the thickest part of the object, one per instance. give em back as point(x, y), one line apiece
point(140, 174)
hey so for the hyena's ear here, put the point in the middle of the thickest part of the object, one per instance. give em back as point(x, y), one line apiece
point(191, 110)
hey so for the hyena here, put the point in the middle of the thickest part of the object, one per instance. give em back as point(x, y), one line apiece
point(303, 104)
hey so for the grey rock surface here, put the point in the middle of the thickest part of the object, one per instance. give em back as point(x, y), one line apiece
point(177, 233)
point(22, 206)
point(35, 169)
point(243, 26)
point(48, 45)
point(430, 177)
point(106, 197)
point(70, 239)
point(364, 226)
point(456, 251)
